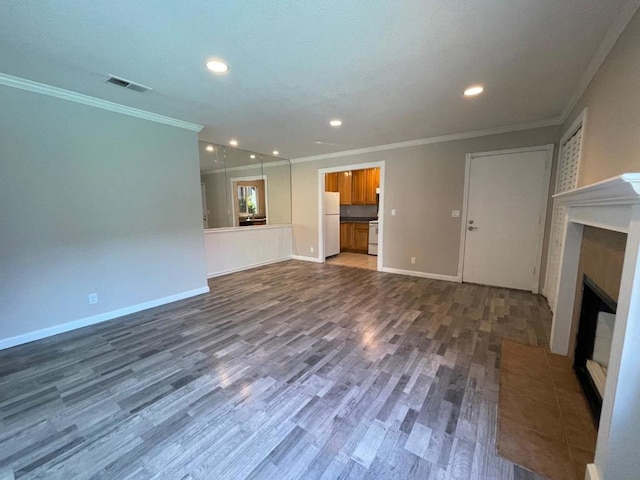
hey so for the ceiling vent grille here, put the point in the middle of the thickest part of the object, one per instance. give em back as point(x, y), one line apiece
point(121, 82)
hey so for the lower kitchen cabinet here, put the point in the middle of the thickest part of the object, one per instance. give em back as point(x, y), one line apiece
point(361, 237)
point(346, 236)
point(354, 237)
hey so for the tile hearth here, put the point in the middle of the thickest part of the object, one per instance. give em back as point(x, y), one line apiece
point(544, 422)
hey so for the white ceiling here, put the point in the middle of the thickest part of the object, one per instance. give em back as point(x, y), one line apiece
point(392, 70)
point(222, 157)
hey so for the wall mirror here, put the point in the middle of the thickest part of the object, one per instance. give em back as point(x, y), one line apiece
point(242, 188)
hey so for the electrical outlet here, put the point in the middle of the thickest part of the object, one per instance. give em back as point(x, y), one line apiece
point(413, 260)
point(311, 249)
point(393, 212)
point(93, 298)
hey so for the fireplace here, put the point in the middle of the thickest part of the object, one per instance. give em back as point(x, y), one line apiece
point(593, 343)
point(613, 205)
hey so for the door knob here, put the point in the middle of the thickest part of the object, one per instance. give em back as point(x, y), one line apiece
point(472, 228)
point(470, 222)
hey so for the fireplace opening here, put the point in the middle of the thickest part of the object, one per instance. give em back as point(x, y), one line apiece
point(593, 343)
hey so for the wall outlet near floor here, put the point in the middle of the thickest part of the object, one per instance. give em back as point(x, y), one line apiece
point(311, 249)
point(93, 298)
point(393, 212)
point(413, 260)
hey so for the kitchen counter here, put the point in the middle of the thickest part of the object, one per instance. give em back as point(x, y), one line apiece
point(357, 219)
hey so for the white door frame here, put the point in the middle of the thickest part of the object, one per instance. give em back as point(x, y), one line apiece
point(543, 204)
point(321, 187)
point(248, 178)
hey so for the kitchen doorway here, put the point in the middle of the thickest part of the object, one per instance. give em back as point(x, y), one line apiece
point(505, 209)
point(351, 197)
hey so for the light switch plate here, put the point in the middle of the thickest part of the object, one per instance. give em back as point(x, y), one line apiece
point(455, 213)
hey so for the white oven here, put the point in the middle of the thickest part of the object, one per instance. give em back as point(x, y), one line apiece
point(373, 237)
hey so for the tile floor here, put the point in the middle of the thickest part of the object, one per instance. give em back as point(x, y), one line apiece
point(544, 423)
point(355, 260)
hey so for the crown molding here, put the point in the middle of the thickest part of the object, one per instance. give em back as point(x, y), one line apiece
point(611, 37)
point(41, 88)
point(426, 141)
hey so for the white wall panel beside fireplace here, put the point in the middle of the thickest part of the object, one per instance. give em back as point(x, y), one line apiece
point(233, 249)
point(613, 204)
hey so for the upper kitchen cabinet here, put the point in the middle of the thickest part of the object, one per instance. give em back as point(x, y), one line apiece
point(373, 183)
point(331, 181)
point(344, 185)
point(359, 187)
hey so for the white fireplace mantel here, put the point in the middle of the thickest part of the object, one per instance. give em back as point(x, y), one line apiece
point(612, 204)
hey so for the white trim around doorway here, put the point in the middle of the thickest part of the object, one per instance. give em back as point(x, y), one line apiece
point(543, 207)
point(321, 187)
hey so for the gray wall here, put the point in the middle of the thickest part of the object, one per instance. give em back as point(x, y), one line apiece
point(216, 188)
point(611, 144)
point(423, 183)
point(92, 201)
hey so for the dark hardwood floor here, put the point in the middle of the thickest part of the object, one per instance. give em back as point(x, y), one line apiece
point(293, 370)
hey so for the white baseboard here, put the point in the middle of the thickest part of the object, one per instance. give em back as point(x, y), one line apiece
point(433, 276)
point(592, 472)
point(103, 317)
point(306, 259)
point(246, 267)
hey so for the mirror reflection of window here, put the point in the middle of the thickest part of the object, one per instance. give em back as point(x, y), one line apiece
point(248, 200)
point(223, 169)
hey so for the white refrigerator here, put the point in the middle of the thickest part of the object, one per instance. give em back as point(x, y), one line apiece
point(331, 223)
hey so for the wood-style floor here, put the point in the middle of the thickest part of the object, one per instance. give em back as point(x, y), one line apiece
point(293, 370)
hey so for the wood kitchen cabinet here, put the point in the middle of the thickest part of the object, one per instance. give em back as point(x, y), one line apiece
point(359, 187)
point(372, 183)
point(361, 237)
point(331, 181)
point(354, 237)
point(346, 236)
point(344, 187)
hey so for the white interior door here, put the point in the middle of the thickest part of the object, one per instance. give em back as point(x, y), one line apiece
point(506, 203)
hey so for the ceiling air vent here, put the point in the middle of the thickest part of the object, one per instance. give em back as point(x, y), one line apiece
point(121, 82)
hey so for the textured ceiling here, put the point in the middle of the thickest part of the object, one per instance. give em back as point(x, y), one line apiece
point(393, 70)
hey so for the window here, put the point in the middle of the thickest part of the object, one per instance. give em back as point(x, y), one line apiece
point(247, 200)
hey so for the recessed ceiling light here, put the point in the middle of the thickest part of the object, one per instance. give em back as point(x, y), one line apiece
point(275, 152)
point(335, 122)
point(233, 142)
point(209, 148)
point(473, 90)
point(217, 66)
point(252, 156)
